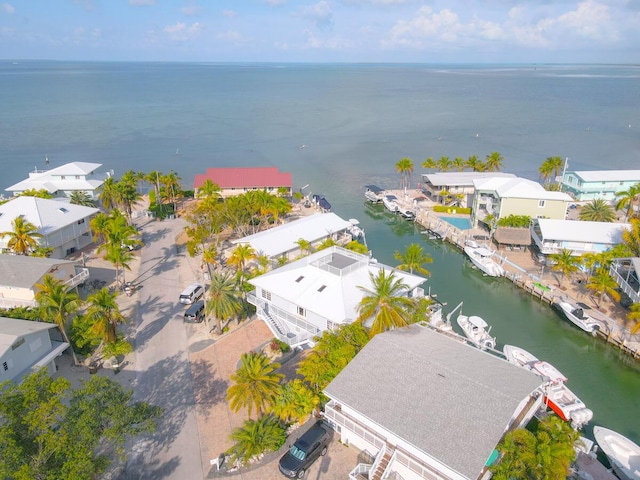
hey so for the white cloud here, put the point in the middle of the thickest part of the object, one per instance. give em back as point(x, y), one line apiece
point(229, 13)
point(8, 8)
point(142, 3)
point(535, 25)
point(319, 13)
point(182, 32)
point(190, 10)
point(276, 2)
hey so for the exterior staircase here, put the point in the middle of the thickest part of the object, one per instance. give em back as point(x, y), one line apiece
point(275, 324)
point(381, 464)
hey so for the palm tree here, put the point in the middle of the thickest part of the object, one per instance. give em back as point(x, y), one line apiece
point(602, 283)
point(79, 197)
point(405, 168)
point(494, 162)
point(443, 164)
point(108, 195)
point(631, 238)
point(57, 304)
point(475, 164)
point(104, 312)
point(634, 315)
point(171, 182)
point(356, 246)
point(518, 454)
point(566, 263)
point(99, 225)
point(120, 257)
point(429, 163)
point(304, 246)
point(255, 437)
point(295, 401)
point(222, 301)
point(326, 243)
point(241, 255)
point(22, 239)
point(597, 211)
point(209, 189)
point(126, 192)
point(627, 198)
point(413, 258)
point(384, 303)
point(256, 383)
point(459, 163)
point(550, 168)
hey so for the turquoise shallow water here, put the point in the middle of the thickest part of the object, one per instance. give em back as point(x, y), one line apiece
point(356, 121)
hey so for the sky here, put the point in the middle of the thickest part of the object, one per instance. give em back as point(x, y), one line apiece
point(379, 31)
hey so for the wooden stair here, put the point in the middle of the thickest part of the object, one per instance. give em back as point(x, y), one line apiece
point(382, 466)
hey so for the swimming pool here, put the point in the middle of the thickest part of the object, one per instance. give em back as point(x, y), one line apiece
point(460, 223)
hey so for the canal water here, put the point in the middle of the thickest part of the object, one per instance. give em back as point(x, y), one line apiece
point(604, 378)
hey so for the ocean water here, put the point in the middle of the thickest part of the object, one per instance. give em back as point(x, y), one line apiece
point(355, 122)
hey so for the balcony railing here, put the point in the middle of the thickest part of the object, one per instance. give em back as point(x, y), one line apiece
point(78, 278)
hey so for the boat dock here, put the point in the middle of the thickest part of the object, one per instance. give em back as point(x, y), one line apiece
point(520, 269)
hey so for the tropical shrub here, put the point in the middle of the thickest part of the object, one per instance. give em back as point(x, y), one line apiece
point(516, 221)
point(445, 209)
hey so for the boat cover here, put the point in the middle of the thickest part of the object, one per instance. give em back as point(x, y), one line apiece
point(477, 322)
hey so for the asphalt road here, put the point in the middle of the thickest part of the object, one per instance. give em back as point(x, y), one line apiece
point(163, 376)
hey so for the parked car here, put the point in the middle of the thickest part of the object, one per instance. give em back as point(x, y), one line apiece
point(306, 449)
point(192, 293)
point(195, 313)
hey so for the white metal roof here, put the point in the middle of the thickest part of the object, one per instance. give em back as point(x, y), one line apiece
point(449, 400)
point(330, 294)
point(282, 239)
point(608, 175)
point(47, 215)
point(450, 179)
point(50, 179)
point(578, 231)
point(518, 188)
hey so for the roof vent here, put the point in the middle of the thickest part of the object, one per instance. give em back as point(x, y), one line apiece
point(299, 279)
point(322, 288)
point(63, 210)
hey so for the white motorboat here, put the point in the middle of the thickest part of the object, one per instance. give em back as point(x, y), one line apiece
point(390, 203)
point(623, 454)
point(482, 258)
point(477, 331)
point(373, 193)
point(575, 314)
point(355, 231)
point(548, 372)
point(566, 404)
point(519, 356)
point(406, 213)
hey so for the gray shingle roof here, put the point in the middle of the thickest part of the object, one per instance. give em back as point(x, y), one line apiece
point(451, 401)
point(23, 272)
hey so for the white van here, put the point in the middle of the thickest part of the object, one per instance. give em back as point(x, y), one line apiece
point(192, 293)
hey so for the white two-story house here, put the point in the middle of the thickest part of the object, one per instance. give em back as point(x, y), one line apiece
point(64, 227)
point(552, 236)
point(62, 181)
point(458, 185)
point(501, 197)
point(319, 292)
point(426, 406)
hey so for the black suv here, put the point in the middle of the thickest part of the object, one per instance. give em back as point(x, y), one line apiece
point(195, 313)
point(305, 450)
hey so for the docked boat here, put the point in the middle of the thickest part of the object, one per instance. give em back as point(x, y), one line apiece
point(373, 193)
point(406, 213)
point(623, 454)
point(482, 258)
point(575, 314)
point(566, 404)
point(477, 331)
point(356, 232)
point(519, 356)
point(390, 203)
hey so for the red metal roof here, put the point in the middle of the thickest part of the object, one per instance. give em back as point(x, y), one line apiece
point(244, 177)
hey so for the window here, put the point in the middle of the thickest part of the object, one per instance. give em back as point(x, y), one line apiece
point(301, 312)
point(17, 344)
point(62, 177)
point(80, 222)
point(299, 279)
point(63, 210)
point(322, 288)
point(541, 203)
point(266, 294)
point(35, 345)
point(7, 365)
point(77, 177)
